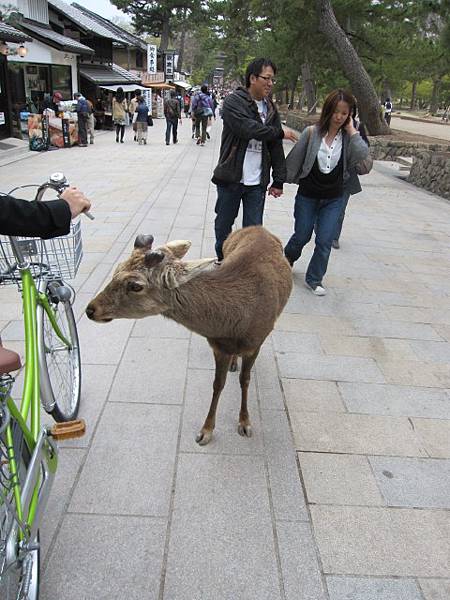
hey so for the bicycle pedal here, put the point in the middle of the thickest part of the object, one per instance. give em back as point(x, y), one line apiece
point(69, 430)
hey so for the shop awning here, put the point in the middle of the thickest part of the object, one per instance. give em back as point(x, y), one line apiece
point(184, 84)
point(55, 40)
point(107, 74)
point(127, 87)
point(160, 86)
point(11, 34)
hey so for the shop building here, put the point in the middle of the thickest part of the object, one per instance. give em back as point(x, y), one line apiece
point(10, 39)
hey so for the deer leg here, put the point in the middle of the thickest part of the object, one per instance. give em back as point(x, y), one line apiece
point(248, 361)
point(222, 364)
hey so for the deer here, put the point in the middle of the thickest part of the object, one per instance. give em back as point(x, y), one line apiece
point(233, 305)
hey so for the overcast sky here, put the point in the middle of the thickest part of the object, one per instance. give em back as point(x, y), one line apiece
point(103, 8)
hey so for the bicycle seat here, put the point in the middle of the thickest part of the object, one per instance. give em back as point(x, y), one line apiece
point(9, 360)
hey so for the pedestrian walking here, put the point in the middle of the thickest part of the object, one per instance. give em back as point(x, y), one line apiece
point(319, 163)
point(172, 112)
point(90, 122)
point(132, 109)
point(388, 111)
point(251, 146)
point(119, 109)
point(141, 119)
point(82, 110)
point(352, 185)
point(202, 109)
point(186, 103)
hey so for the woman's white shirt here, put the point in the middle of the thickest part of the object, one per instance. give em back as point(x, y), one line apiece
point(328, 156)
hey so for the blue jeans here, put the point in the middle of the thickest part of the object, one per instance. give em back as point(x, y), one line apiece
point(172, 124)
point(227, 207)
point(307, 212)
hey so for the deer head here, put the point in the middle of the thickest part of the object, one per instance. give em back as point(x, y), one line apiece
point(139, 285)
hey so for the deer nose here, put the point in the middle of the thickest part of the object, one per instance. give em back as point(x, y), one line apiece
point(90, 311)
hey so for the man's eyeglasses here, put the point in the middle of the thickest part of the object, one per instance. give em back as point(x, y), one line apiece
point(267, 78)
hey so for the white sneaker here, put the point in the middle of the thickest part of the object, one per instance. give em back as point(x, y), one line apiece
point(318, 290)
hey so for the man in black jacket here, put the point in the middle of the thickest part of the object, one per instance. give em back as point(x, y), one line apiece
point(251, 145)
point(42, 219)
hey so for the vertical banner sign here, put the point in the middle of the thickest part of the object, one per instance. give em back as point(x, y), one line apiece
point(169, 65)
point(151, 58)
point(148, 98)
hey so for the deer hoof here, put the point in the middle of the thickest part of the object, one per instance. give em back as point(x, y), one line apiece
point(245, 430)
point(203, 438)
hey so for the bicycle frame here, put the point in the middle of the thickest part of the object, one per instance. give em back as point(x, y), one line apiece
point(31, 497)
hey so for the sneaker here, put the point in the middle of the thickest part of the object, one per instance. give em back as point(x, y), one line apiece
point(202, 143)
point(199, 141)
point(167, 143)
point(335, 244)
point(208, 136)
point(217, 263)
point(317, 290)
point(91, 142)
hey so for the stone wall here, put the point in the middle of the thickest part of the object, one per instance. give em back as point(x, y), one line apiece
point(383, 148)
point(431, 171)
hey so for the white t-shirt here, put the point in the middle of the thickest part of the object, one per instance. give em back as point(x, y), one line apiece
point(252, 167)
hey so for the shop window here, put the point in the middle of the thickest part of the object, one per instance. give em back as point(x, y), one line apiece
point(62, 80)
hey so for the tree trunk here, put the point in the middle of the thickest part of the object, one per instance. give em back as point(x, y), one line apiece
point(362, 86)
point(286, 95)
point(308, 86)
point(181, 49)
point(434, 102)
point(413, 95)
point(165, 33)
point(293, 86)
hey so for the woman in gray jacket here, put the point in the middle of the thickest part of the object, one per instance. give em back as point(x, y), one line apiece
point(319, 163)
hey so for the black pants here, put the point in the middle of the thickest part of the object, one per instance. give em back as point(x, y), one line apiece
point(171, 125)
point(82, 128)
point(203, 122)
point(121, 129)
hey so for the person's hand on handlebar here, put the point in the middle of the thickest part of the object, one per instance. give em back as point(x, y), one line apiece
point(76, 200)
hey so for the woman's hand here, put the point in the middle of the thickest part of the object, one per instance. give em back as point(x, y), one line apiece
point(350, 128)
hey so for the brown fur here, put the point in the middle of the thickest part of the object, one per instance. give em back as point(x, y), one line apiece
point(234, 306)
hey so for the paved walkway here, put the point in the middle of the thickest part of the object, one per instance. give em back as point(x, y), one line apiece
point(342, 493)
point(431, 129)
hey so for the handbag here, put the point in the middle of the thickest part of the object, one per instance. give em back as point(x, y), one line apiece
point(363, 167)
point(150, 120)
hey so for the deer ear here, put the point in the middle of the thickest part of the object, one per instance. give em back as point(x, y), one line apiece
point(153, 258)
point(143, 241)
point(179, 247)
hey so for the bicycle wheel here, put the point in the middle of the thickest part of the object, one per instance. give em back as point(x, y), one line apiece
point(20, 580)
point(60, 365)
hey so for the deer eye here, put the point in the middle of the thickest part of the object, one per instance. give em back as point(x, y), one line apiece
point(134, 286)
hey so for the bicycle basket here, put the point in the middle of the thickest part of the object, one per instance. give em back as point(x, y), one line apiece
point(57, 258)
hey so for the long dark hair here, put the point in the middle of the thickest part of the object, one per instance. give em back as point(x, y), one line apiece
point(120, 95)
point(329, 106)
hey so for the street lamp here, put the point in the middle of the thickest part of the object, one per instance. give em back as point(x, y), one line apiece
point(22, 51)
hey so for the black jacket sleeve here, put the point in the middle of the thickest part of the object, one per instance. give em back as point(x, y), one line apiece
point(244, 126)
point(40, 219)
point(278, 162)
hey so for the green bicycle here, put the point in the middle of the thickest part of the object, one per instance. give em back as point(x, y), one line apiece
point(52, 378)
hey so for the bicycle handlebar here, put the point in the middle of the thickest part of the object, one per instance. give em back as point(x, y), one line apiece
point(58, 182)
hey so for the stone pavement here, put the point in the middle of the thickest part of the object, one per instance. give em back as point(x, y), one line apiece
point(342, 493)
